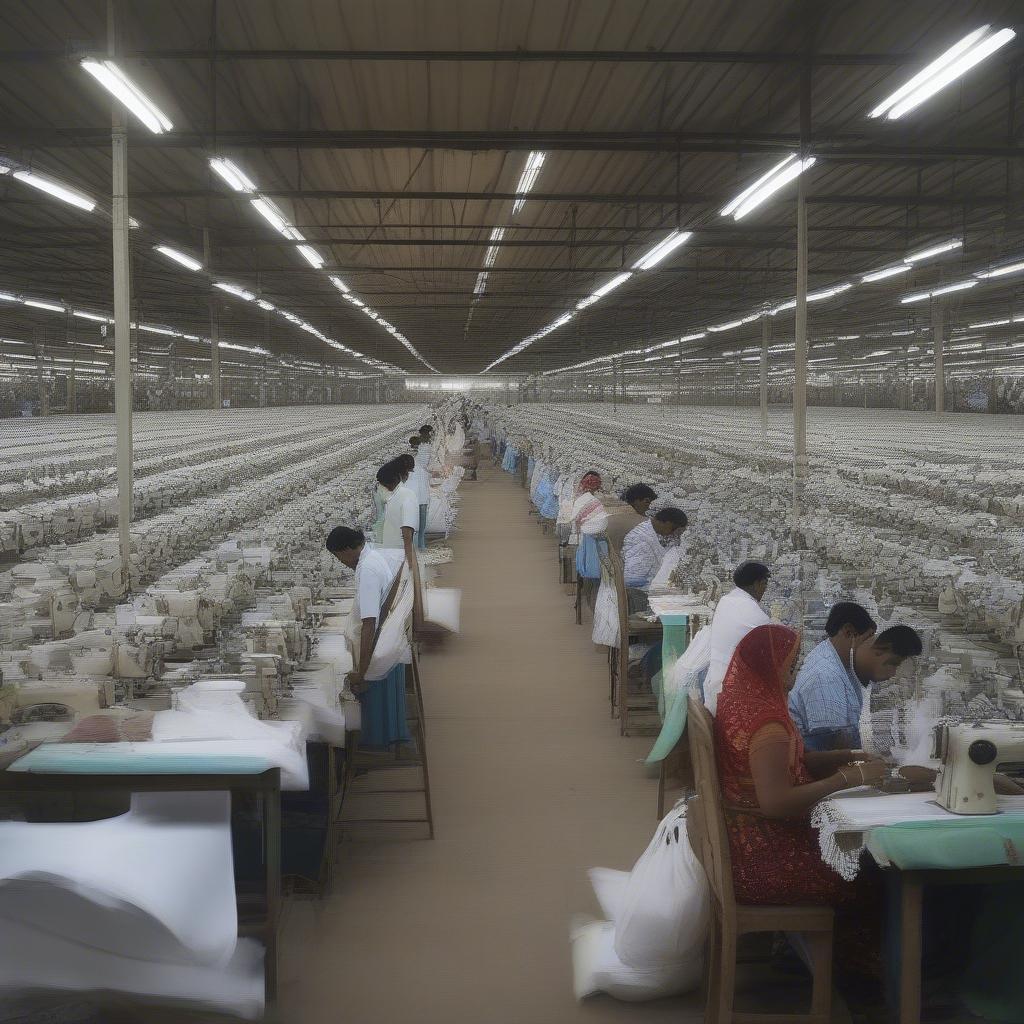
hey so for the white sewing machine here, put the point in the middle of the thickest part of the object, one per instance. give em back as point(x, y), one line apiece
point(970, 755)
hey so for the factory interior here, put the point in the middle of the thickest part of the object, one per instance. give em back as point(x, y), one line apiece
point(511, 512)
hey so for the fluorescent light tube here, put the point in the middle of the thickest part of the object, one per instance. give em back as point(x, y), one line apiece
point(614, 283)
point(881, 275)
point(292, 235)
point(990, 323)
point(338, 283)
point(234, 289)
point(311, 256)
point(8, 297)
point(727, 326)
point(157, 330)
point(896, 334)
point(263, 304)
point(83, 315)
point(751, 189)
point(658, 252)
point(58, 191)
point(847, 337)
point(934, 250)
point(1010, 268)
point(119, 85)
point(351, 298)
point(179, 257)
point(271, 214)
point(232, 174)
point(955, 62)
point(44, 305)
point(528, 178)
point(769, 188)
point(959, 286)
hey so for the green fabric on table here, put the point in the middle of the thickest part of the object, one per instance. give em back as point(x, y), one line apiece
point(113, 759)
point(675, 638)
point(948, 845)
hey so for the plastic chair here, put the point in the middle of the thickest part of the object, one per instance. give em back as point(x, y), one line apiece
point(705, 824)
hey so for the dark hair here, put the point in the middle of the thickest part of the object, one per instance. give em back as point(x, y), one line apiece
point(344, 538)
point(749, 573)
point(415, 440)
point(638, 492)
point(406, 460)
point(848, 613)
point(426, 430)
point(675, 516)
point(901, 640)
point(389, 475)
point(591, 472)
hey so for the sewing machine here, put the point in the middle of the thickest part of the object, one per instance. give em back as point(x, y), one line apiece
point(970, 755)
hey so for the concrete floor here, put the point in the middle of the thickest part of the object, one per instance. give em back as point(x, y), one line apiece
point(532, 785)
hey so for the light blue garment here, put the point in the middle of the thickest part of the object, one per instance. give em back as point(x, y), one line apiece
point(588, 559)
point(827, 701)
point(548, 498)
point(510, 463)
point(530, 466)
point(383, 711)
point(378, 523)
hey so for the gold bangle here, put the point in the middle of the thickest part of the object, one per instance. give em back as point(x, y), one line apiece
point(842, 775)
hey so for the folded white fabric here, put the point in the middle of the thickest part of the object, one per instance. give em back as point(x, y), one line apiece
point(441, 606)
point(156, 883)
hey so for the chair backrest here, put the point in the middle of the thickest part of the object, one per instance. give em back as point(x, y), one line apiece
point(618, 581)
point(711, 842)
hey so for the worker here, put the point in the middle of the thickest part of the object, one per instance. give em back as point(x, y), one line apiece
point(381, 701)
point(419, 481)
point(424, 456)
point(828, 698)
point(627, 514)
point(643, 551)
point(736, 614)
point(589, 522)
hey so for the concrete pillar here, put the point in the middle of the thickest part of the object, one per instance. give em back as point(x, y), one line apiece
point(122, 310)
point(938, 343)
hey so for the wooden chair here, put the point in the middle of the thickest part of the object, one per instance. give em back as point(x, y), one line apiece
point(705, 824)
point(377, 762)
point(631, 628)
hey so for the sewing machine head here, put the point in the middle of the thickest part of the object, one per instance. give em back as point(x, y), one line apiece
point(970, 755)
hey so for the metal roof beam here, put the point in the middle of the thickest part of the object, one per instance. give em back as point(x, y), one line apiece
point(496, 56)
point(846, 146)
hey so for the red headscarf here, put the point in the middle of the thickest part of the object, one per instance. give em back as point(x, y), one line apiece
point(591, 482)
point(753, 695)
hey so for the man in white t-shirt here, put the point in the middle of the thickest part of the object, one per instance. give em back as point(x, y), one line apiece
point(736, 614)
point(424, 459)
point(401, 518)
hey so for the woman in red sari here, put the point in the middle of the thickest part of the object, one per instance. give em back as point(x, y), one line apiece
point(770, 783)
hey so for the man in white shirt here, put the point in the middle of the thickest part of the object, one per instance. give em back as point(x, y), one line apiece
point(736, 614)
point(401, 518)
point(382, 701)
point(424, 458)
point(419, 479)
point(643, 548)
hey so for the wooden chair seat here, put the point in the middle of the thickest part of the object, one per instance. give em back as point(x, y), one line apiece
point(768, 918)
point(642, 627)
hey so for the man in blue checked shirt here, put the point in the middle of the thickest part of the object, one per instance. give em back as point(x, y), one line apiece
point(828, 697)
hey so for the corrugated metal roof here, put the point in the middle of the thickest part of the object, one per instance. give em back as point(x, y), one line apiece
point(416, 259)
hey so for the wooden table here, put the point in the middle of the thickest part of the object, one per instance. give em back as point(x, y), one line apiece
point(266, 783)
point(910, 884)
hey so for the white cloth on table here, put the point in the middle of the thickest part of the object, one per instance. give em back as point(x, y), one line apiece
point(401, 510)
point(736, 614)
point(844, 820)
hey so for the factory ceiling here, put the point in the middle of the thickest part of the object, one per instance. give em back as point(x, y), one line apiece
point(394, 138)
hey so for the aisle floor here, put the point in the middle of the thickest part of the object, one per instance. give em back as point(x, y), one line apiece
point(532, 785)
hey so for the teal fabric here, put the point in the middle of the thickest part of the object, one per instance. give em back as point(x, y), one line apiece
point(113, 759)
point(675, 638)
point(947, 845)
point(383, 712)
point(672, 728)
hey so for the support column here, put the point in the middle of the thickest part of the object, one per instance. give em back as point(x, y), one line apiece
point(215, 388)
point(122, 314)
point(938, 343)
point(766, 333)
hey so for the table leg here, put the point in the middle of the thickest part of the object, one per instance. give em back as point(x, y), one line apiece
point(910, 949)
point(272, 840)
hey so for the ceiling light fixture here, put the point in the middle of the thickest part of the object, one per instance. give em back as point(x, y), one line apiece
point(881, 275)
point(119, 85)
point(311, 256)
point(232, 174)
point(767, 185)
point(271, 214)
point(657, 253)
point(338, 283)
point(975, 47)
point(83, 315)
point(234, 289)
point(37, 304)
point(934, 250)
point(179, 257)
point(1010, 268)
point(528, 179)
point(62, 192)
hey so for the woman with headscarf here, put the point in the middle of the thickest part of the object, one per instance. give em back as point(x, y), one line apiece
point(589, 520)
point(769, 786)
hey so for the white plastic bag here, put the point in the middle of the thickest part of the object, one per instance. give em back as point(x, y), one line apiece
point(442, 606)
point(665, 908)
